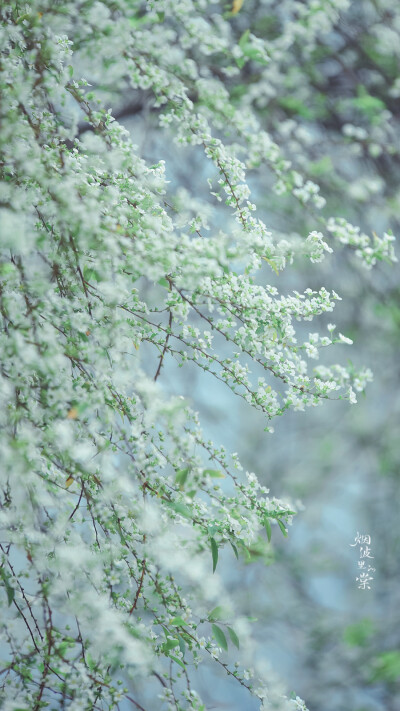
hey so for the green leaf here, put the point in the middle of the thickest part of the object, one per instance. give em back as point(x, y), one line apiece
point(386, 667)
point(282, 527)
point(295, 106)
point(322, 166)
point(214, 552)
point(23, 17)
point(268, 528)
point(249, 51)
point(358, 634)
point(219, 637)
point(255, 54)
point(163, 282)
point(9, 590)
point(367, 104)
point(170, 644)
point(244, 39)
point(181, 476)
point(235, 550)
point(272, 265)
point(90, 274)
point(182, 645)
point(6, 268)
point(138, 21)
point(234, 637)
point(214, 473)
point(62, 648)
point(178, 661)
point(218, 613)
point(90, 662)
point(179, 508)
point(177, 621)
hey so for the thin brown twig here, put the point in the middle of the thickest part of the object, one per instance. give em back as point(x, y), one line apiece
point(139, 586)
point(77, 506)
point(165, 347)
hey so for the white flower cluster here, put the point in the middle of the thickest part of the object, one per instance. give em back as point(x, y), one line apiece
point(309, 191)
point(316, 246)
point(370, 250)
point(114, 505)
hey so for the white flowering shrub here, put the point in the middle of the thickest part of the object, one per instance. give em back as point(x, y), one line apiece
point(114, 504)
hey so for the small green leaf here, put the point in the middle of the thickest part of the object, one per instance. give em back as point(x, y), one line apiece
point(254, 54)
point(90, 274)
point(249, 51)
point(214, 551)
point(271, 264)
point(244, 39)
point(367, 104)
point(6, 268)
point(268, 528)
point(386, 667)
point(282, 527)
point(218, 613)
point(234, 637)
point(179, 508)
point(181, 476)
point(23, 17)
point(214, 473)
point(219, 637)
point(359, 633)
point(163, 282)
point(178, 661)
point(62, 648)
point(9, 590)
point(170, 644)
point(177, 621)
point(182, 645)
point(90, 662)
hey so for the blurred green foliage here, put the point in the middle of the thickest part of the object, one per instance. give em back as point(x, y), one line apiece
point(359, 634)
point(386, 667)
